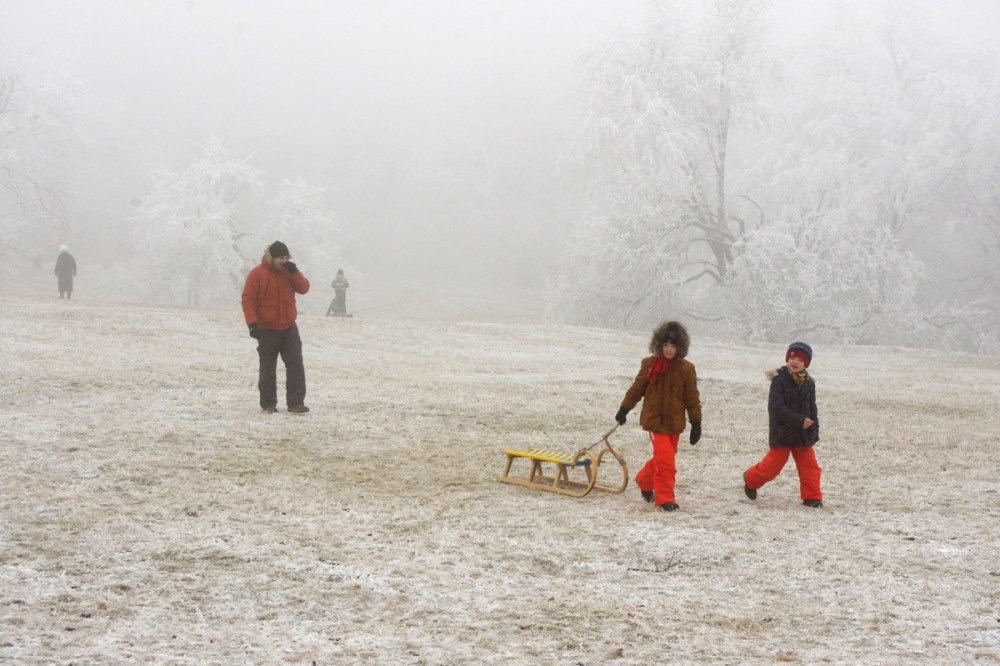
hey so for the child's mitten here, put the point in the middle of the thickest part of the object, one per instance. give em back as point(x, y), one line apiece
point(620, 416)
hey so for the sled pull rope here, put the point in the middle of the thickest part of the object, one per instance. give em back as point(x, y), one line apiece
point(604, 439)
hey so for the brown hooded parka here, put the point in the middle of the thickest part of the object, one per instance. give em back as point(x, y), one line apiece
point(665, 399)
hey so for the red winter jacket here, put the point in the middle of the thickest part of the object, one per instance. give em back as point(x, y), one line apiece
point(269, 296)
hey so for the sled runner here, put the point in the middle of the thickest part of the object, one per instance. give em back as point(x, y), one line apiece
point(564, 481)
point(334, 311)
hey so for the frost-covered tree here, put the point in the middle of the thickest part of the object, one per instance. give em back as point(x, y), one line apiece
point(837, 184)
point(882, 145)
point(188, 230)
point(622, 266)
point(663, 211)
point(36, 140)
point(865, 211)
point(300, 219)
point(824, 278)
point(965, 296)
point(958, 235)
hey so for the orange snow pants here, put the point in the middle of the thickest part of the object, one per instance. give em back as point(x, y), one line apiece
point(805, 461)
point(659, 473)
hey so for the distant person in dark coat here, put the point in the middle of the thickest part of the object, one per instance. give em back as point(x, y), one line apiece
point(65, 270)
point(338, 306)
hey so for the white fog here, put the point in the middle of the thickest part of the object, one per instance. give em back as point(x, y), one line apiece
point(441, 133)
point(434, 127)
point(527, 145)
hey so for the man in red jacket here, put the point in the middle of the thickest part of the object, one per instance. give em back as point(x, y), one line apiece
point(269, 309)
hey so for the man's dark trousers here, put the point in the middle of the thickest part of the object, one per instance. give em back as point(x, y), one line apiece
point(287, 344)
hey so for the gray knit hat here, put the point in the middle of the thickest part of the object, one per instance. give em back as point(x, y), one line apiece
point(277, 249)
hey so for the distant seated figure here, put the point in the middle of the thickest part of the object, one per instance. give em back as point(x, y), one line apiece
point(65, 270)
point(338, 306)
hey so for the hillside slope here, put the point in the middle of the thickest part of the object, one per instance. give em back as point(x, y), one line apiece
point(152, 513)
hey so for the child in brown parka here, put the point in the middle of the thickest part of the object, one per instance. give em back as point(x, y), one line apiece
point(668, 386)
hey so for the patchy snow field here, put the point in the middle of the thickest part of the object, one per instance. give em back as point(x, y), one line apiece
point(151, 513)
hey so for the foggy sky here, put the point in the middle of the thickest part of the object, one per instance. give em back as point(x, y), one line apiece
point(377, 102)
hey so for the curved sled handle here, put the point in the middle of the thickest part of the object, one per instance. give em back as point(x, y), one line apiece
point(606, 444)
point(613, 450)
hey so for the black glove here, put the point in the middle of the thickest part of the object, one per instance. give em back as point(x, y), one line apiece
point(253, 330)
point(620, 416)
point(291, 267)
point(695, 432)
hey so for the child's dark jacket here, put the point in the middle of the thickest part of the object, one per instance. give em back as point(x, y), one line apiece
point(788, 405)
point(665, 399)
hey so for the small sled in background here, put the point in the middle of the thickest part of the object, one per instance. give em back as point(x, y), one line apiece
point(331, 311)
point(573, 475)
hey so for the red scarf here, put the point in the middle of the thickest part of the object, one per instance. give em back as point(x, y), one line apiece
point(660, 365)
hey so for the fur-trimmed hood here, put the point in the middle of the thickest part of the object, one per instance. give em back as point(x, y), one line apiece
point(670, 331)
point(267, 257)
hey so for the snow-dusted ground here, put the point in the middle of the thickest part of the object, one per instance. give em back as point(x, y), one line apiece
point(150, 513)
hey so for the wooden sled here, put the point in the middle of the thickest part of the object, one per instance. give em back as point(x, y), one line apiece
point(331, 310)
point(565, 464)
